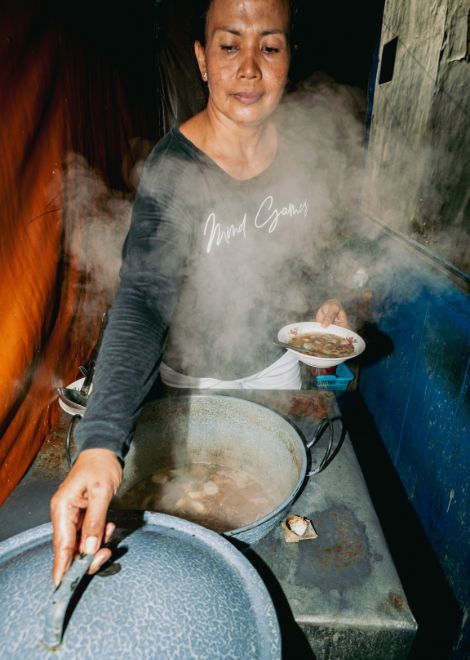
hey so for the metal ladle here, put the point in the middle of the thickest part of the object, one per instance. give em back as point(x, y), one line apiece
point(298, 349)
point(68, 395)
point(79, 397)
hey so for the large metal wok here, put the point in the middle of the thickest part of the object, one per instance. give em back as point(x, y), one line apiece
point(232, 432)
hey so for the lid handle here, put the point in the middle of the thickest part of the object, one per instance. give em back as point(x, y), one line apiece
point(61, 598)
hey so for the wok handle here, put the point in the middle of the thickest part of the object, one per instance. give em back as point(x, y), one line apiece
point(327, 423)
point(61, 597)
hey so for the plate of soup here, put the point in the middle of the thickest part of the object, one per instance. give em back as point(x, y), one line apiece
point(320, 346)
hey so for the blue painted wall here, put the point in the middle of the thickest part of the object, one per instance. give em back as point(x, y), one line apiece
point(419, 396)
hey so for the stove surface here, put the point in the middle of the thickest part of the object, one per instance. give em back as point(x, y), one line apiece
point(338, 595)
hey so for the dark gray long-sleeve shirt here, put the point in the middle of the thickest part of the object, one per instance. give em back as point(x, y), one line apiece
point(212, 268)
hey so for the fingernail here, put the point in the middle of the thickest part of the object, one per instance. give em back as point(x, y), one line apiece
point(91, 545)
point(101, 563)
point(109, 532)
point(97, 564)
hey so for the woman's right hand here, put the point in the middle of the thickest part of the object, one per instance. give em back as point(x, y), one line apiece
point(79, 508)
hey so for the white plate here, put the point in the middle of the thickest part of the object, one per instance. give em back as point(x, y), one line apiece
point(73, 408)
point(294, 329)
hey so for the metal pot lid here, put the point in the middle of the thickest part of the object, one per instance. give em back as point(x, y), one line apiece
point(174, 590)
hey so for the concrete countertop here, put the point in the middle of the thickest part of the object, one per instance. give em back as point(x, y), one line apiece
point(337, 596)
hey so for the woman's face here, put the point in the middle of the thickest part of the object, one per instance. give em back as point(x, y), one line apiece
point(246, 58)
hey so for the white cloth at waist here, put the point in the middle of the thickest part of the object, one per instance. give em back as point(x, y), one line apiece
point(283, 374)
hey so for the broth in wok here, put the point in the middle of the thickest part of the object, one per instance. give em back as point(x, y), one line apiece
point(323, 344)
point(211, 495)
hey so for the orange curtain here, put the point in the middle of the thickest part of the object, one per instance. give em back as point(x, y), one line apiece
point(69, 135)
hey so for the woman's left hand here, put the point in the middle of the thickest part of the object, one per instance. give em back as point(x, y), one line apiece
point(331, 311)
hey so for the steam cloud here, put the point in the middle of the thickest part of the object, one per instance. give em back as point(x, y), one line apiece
point(96, 221)
point(348, 250)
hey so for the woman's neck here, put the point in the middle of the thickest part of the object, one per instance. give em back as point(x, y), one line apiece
point(243, 151)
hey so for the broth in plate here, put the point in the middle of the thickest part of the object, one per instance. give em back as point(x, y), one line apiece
point(323, 344)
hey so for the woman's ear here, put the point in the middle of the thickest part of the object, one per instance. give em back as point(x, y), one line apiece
point(201, 59)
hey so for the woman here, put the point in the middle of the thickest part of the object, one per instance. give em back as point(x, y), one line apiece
point(217, 226)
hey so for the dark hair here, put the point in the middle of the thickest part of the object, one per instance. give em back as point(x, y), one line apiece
point(202, 9)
